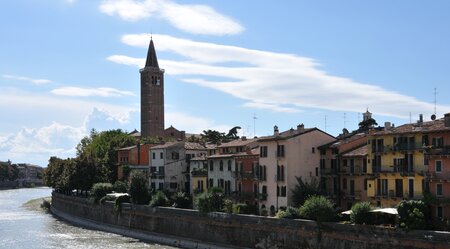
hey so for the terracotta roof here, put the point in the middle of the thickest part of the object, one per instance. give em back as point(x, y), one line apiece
point(237, 142)
point(361, 151)
point(290, 134)
point(194, 146)
point(428, 126)
point(166, 145)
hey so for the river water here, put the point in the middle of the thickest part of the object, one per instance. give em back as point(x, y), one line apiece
point(26, 226)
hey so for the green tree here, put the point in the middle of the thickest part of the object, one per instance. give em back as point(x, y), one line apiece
point(139, 188)
point(412, 214)
point(211, 201)
point(181, 200)
point(213, 136)
point(366, 124)
point(304, 190)
point(361, 213)
point(318, 208)
point(99, 190)
point(100, 151)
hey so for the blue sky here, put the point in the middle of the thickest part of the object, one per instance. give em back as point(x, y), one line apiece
point(68, 66)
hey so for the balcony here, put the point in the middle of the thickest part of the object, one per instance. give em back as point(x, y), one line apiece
point(328, 171)
point(157, 175)
point(244, 175)
point(438, 176)
point(401, 147)
point(355, 170)
point(199, 172)
point(437, 151)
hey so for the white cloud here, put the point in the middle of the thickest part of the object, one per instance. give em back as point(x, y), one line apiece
point(196, 19)
point(70, 1)
point(23, 78)
point(192, 124)
point(88, 92)
point(275, 81)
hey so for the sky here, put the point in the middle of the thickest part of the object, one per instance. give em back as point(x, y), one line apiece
point(69, 66)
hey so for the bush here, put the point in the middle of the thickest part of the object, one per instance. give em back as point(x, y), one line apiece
point(159, 199)
point(120, 187)
point(228, 206)
point(289, 213)
point(99, 190)
point(318, 208)
point(412, 214)
point(181, 200)
point(119, 200)
point(138, 188)
point(264, 212)
point(211, 201)
point(241, 208)
point(361, 213)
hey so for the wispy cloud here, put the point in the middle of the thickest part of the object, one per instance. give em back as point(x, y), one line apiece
point(196, 19)
point(275, 81)
point(23, 78)
point(89, 92)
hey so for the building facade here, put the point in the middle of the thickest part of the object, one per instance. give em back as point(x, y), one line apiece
point(285, 156)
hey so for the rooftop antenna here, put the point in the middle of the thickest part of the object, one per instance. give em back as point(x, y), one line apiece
point(345, 120)
point(254, 124)
point(325, 123)
point(435, 93)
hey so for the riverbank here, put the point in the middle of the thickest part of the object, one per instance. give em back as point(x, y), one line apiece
point(244, 230)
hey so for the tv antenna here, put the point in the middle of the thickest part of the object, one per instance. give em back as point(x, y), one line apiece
point(325, 123)
point(254, 124)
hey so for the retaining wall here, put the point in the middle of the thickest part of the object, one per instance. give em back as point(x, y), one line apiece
point(247, 230)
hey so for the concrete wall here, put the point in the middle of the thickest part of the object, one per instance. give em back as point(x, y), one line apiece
point(249, 231)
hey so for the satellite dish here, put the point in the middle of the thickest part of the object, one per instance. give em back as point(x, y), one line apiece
point(433, 117)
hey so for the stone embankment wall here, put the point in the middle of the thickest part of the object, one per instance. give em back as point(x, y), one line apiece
point(249, 231)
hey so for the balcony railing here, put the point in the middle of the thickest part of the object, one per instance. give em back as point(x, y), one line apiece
point(245, 175)
point(328, 171)
point(443, 175)
point(400, 147)
point(444, 150)
point(157, 175)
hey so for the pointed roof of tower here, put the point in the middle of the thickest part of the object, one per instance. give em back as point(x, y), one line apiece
point(152, 61)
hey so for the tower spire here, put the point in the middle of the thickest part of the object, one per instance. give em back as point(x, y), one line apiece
point(152, 61)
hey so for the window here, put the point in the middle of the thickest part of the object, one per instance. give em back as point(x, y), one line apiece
point(439, 212)
point(264, 189)
point(344, 183)
point(313, 150)
point(426, 160)
point(438, 166)
point(158, 81)
point(175, 155)
point(317, 171)
point(384, 186)
point(365, 184)
point(152, 169)
point(229, 165)
point(153, 155)
point(322, 163)
point(153, 185)
point(221, 165)
point(439, 190)
point(280, 150)
point(280, 173)
point(437, 142)
point(161, 155)
point(211, 183)
point(173, 185)
point(211, 165)
point(344, 163)
point(283, 191)
point(160, 186)
point(263, 151)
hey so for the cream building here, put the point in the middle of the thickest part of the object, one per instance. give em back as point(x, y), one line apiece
point(285, 156)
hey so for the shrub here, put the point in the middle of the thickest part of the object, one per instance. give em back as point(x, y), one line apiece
point(181, 200)
point(289, 213)
point(100, 190)
point(211, 201)
point(361, 213)
point(264, 212)
point(241, 208)
point(159, 199)
point(412, 214)
point(119, 200)
point(318, 208)
point(138, 188)
point(228, 206)
point(120, 187)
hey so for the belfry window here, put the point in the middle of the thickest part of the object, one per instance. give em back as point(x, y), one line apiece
point(158, 81)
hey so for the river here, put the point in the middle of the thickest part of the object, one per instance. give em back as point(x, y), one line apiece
point(25, 226)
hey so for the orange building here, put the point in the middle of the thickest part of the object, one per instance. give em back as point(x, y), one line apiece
point(136, 157)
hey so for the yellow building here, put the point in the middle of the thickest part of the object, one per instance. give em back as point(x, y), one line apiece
point(396, 161)
point(199, 175)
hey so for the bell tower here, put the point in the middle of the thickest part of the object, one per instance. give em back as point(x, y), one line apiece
point(152, 96)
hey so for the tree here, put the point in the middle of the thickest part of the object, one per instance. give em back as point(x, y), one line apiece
point(100, 151)
point(366, 124)
point(318, 208)
point(213, 136)
point(303, 190)
point(181, 200)
point(412, 214)
point(232, 134)
point(361, 213)
point(211, 201)
point(139, 188)
point(159, 199)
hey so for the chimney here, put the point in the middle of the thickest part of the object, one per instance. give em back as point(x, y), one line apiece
point(447, 120)
point(275, 131)
point(420, 118)
point(387, 126)
point(243, 138)
point(301, 127)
